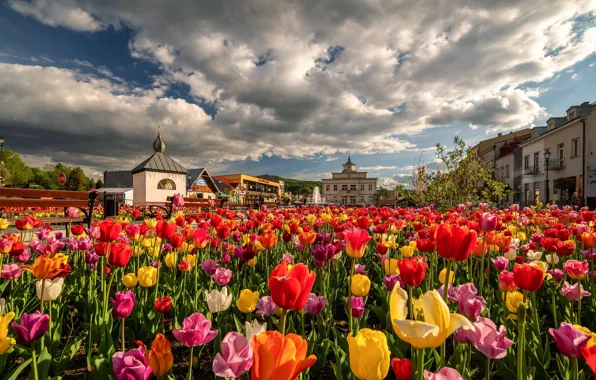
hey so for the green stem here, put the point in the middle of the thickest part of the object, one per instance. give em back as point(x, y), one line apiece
point(521, 334)
point(579, 304)
point(420, 364)
point(553, 305)
point(34, 361)
point(445, 292)
point(122, 333)
point(196, 270)
point(411, 303)
point(190, 363)
point(487, 369)
point(282, 321)
point(350, 295)
point(574, 369)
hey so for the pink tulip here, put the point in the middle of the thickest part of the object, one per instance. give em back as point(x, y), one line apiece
point(445, 373)
point(178, 200)
point(72, 212)
point(315, 304)
point(471, 305)
point(31, 327)
point(222, 276)
point(574, 292)
point(131, 365)
point(500, 263)
point(356, 240)
point(514, 207)
point(236, 356)
point(506, 282)
point(209, 266)
point(569, 340)
point(265, 307)
point(11, 271)
point(357, 306)
point(123, 304)
point(483, 207)
point(488, 222)
point(5, 245)
point(576, 269)
point(195, 331)
point(487, 339)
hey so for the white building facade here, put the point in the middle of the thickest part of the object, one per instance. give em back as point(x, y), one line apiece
point(569, 177)
point(350, 187)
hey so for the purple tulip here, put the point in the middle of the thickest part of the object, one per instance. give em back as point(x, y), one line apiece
point(131, 365)
point(11, 271)
point(569, 340)
point(471, 305)
point(390, 281)
point(557, 274)
point(488, 222)
point(319, 253)
point(222, 276)
point(31, 327)
point(236, 356)
point(85, 244)
point(315, 304)
point(123, 304)
point(91, 258)
point(238, 251)
point(59, 235)
point(360, 269)
point(357, 306)
point(43, 233)
point(23, 257)
point(195, 331)
point(500, 263)
point(445, 373)
point(35, 245)
point(487, 339)
point(209, 266)
point(574, 292)
point(265, 307)
point(589, 254)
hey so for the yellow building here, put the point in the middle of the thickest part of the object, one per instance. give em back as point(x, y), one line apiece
point(251, 190)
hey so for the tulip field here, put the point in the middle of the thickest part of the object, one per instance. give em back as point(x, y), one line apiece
point(472, 292)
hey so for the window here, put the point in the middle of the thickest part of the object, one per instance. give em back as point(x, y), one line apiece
point(536, 160)
point(526, 161)
point(344, 187)
point(361, 199)
point(536, 191)
point(527, 192)
point(502, 172)
point(361, 187)
point(334, 187)
point(560, 150)
point(166, 184)
point(353, 187)
point(369, 187)
point(506, 171)
point(575, 147)
point(327, 187)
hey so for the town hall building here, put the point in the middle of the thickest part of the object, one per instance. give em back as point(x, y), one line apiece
point(350, 187)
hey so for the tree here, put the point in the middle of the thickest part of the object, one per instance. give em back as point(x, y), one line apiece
point(400, 191)
point(76, 180)
point(99, 184)
point(462, 178)
point(15, 171)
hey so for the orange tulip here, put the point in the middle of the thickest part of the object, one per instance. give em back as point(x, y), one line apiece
point(160, 355)
point(589, 240)
point(477, 250)
point(279, 357)
point(307, 238)
point(268, 240)
point(48, 268)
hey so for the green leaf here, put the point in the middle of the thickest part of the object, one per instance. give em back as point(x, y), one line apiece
point(18, 370)
point(43, 364)
point(504, 371)
point(103, 369)
point(541, 373)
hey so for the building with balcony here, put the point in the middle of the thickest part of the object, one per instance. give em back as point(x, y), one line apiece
point(350, 187)
point(568, 177)
point(250, 190)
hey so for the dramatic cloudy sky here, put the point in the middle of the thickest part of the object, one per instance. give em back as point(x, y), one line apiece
point(283, 86)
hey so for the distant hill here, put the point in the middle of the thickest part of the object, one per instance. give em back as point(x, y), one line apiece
point(294, 186)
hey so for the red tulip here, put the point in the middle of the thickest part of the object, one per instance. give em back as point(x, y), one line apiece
point(402, 368)
point(411, 271)
point(527, 277)
point(119, 254)
point(163, 304)
point(77, 230)
point(290, 288)
point(425, 245)
point(165, 230)
point(381, 249)
point(453, 242)
point(109, 230)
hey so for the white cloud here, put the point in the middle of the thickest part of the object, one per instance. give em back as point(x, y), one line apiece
point(266, 67)
point(377, 167)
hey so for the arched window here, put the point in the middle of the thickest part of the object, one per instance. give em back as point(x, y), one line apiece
point(166, 184)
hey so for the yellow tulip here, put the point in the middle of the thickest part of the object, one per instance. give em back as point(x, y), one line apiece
point(587, 331)
point(360, 285)
point(129, 280)
point(443, 274)
point(252, 262)
point(245, 239)
point(542, 266)
point(389, 241)
point(186, 247)
point(6, 343)
point(191, 260)
point(433, 322)
point(369, 354)
point(514, 299)
point(247, 301)
point(522, 236)
point(4, 224)
point(413, 244)
point(390, 266)
point(151, 223)
point(310, 218)
point(407, 251)
point(172, 259)
point(147, 276)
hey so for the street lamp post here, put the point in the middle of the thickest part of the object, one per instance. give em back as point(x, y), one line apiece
point(546, 162)
point(2, 161)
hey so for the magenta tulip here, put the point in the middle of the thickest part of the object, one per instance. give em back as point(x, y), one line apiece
point(31, 327)
point(471, 305)
point(357, 306)
point(236, 356)
point(123, 304)
point(569, 340)
point(11, 271)
point(131, 365)
point(488, 222)
point(222, 276)
point(195, 331)
point(315, 304)
point(500, 263)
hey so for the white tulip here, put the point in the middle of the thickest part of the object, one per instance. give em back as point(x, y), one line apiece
point(218, 301)
point(2, 306)
point(254, 329)
point(552, 259)
point(511, 254)
point(534, 256)
point(337, 256)
point(52, 289)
